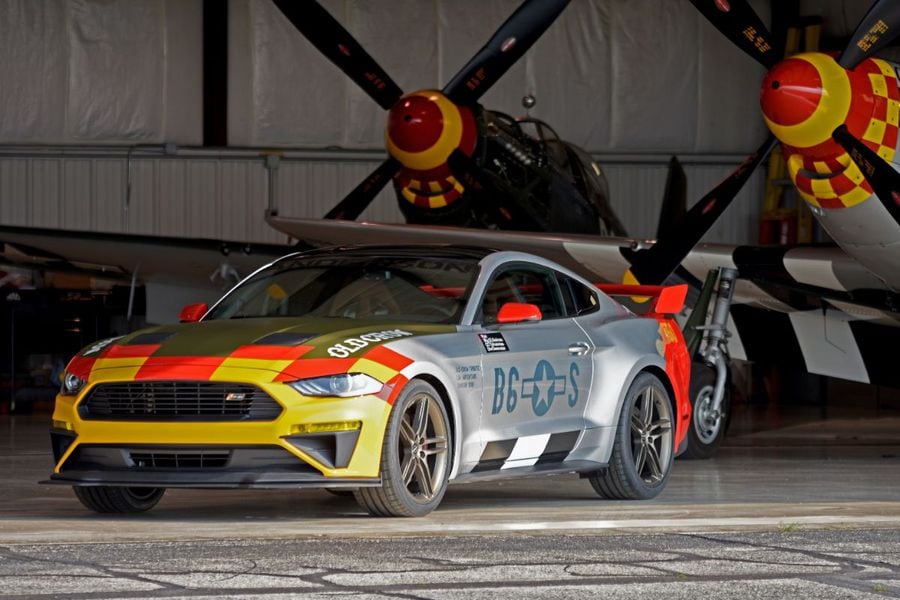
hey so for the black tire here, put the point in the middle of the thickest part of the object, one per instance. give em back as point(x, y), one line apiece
point(415, 456)
point(707, 430)
point(641, 435)
point(105, 499)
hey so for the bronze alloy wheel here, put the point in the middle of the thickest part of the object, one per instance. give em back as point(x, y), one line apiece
point(415, 457)
point(422, 445)
point(651, 434)
point(643, 447)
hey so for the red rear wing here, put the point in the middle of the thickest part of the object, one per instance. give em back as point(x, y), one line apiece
point(669, 298)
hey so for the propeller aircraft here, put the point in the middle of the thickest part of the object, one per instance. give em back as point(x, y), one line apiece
point(452, 161)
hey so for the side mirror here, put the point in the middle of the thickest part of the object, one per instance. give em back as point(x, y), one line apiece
point(193, 312)
point(517, 312)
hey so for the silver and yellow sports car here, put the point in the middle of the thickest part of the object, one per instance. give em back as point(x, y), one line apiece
point(388, 371)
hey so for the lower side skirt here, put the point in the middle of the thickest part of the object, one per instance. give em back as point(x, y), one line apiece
point(572, 466)
point(248, 481)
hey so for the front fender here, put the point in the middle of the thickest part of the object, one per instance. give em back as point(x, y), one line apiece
point(428, 369)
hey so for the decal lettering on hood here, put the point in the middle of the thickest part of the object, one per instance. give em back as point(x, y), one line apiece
point(98, 346)
point(353, 345)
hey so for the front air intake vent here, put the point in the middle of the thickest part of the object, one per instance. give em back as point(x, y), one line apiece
point(180, 460)
point(178, 401)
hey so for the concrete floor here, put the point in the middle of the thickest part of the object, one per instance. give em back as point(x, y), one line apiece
point(808, 509)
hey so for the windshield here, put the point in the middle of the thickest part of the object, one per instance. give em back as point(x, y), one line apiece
point(390, 288)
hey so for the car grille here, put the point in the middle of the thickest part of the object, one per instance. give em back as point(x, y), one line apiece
point(180, 460)
point(178, 401)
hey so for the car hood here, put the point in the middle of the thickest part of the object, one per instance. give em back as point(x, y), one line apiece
point(274, 344)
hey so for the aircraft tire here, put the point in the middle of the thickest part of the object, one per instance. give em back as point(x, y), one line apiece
point(705, 433)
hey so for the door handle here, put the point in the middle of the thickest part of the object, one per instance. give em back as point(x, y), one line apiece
point(579, 348)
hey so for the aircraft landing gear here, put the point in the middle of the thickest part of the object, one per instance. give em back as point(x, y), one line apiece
point(710, 381)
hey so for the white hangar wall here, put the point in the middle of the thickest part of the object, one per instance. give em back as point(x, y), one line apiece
point(98, 72)
point(609, 75)
point(93, 91)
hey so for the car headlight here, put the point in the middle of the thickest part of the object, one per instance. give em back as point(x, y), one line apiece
point(71, 384)
point(345, 385)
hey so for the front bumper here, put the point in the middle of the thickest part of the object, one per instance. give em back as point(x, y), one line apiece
point(194, 467)
point(258, 453)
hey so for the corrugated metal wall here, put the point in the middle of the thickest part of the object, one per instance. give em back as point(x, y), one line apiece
point(224, 194)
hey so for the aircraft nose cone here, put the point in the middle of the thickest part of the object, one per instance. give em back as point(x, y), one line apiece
point(791, 92)
point(415, 123)
point(805, 97)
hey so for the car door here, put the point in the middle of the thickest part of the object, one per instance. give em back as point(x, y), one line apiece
point(536, 375)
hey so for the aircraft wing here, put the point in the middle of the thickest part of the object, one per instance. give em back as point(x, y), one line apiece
point(589, 255)
point(174, 271)
point(812, 307)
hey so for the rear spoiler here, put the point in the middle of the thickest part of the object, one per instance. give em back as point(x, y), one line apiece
point(669, 298)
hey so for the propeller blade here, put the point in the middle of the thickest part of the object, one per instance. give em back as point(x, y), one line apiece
point(362, 195)
point(654, 265)
point(336, 43)
point(740, 24)
point(674, 204)
point(885, 181)
point(880, 25)
point(506, 46)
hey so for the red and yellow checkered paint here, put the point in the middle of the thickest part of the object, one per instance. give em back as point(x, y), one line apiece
point(279, 363)
point(823, 173)
point(432, 194)
point(268, 367)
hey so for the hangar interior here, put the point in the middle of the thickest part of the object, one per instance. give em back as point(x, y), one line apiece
point(191, 119)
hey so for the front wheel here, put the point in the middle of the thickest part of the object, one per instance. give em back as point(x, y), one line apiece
point(644, 444)
point(415, 456)
point(107, 499)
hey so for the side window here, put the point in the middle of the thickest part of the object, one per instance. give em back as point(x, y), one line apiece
point(531, 285)
point(579, 299)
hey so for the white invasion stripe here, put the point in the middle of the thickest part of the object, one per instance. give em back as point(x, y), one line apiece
point(528, 448)
point(810, 268)
point(706, 257)
point(828, 345)
point(680, 524)
point(522, 462)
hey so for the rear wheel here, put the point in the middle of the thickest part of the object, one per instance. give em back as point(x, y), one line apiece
point(644, 444)
point(105, 499)
point(707, 425)
point(415, 456)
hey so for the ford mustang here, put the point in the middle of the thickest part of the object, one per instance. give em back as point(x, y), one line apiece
point(387, 372)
